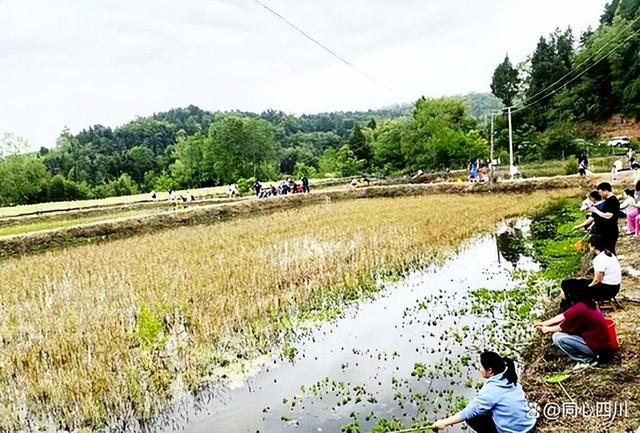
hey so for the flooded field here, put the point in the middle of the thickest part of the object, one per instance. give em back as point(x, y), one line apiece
point(403, 359)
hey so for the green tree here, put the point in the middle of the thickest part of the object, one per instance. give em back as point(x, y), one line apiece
point(609, 12)
point(359, 146)
point(328, 163)
point(22, 179)
point(347, 162)
point(139, 160)
point(505, 82)
point(551, 61)
point(189, 169)
point(441, 135)
point(388, 154)
point(241, 147)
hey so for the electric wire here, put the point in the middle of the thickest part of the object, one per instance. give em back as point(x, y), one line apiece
point(324, 47)
point(591, 57)
point(594, 64)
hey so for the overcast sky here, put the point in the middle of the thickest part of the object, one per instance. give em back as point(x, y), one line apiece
point(77, 63)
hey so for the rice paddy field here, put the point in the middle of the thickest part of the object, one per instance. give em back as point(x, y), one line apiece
point(104, 336)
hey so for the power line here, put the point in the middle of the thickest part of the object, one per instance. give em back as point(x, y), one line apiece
point(584, 62)
point(324, 47)
point(535, 101)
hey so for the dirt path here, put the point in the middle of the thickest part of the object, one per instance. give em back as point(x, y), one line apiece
point(126, 227)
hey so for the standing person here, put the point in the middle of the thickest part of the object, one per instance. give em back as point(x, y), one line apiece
point(580, 332)
point(257, 186)
point(631, 156)
point(500, 406)
point(606, 219)
point(305, 184)
point(473, 171)
point(582, 168)
point(583, 160)
point(592, 199)
point(232, 191)
point(617, 166)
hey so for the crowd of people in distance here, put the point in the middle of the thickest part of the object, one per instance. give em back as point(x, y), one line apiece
point(289, 186)
point(478, 171)
point(580, 331)
point(174, 198)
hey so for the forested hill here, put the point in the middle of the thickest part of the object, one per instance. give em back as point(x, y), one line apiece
point(572, 83)
point(191, 147)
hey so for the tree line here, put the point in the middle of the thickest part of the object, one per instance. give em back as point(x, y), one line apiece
point(190, 147)
point(566, 86)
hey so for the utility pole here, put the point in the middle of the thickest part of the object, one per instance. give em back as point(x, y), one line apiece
point(491, 157)
point(511, 170)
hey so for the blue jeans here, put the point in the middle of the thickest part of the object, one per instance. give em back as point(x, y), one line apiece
point(574, 347)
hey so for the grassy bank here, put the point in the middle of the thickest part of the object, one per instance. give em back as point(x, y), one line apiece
point(98, 333)
point(610, 385)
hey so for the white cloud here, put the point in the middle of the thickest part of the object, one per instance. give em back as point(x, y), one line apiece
point(77, 63)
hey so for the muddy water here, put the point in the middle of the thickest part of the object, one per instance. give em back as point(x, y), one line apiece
point(410, 353)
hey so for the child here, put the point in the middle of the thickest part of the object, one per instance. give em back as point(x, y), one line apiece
point(628, 203)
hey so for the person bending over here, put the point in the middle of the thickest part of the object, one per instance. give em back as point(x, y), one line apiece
point(500, 406)
point(580, 332)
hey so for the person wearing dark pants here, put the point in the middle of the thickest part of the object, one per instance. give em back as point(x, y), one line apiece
point(500, 406)
point(305, 184)
point(607, 276)
point(580, 332)
point(606, 219)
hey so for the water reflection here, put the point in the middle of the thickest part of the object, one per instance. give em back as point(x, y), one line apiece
point(511, 240)
point(361, 367)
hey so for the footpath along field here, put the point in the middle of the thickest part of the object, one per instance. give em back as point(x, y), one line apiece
point(96, 334)
point(103, 226)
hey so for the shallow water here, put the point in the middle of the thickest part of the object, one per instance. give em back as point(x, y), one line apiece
point(360, 366)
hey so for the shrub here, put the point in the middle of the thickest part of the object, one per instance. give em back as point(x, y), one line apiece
point(244, 185)
point(571, 167)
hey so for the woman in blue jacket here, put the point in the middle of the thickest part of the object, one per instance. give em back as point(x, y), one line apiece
point(500, 406)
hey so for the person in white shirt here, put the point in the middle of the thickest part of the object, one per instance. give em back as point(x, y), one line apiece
point(232, 191)
point(617, 166)
point(607, 275)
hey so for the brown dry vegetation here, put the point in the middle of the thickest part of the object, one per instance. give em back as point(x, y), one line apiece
point(97, 333)
point(616, 381)
point(125, 227)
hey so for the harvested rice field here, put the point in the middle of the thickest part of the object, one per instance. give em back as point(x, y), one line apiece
point(106, 335)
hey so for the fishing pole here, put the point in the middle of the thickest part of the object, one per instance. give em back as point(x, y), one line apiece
point(415, 430)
